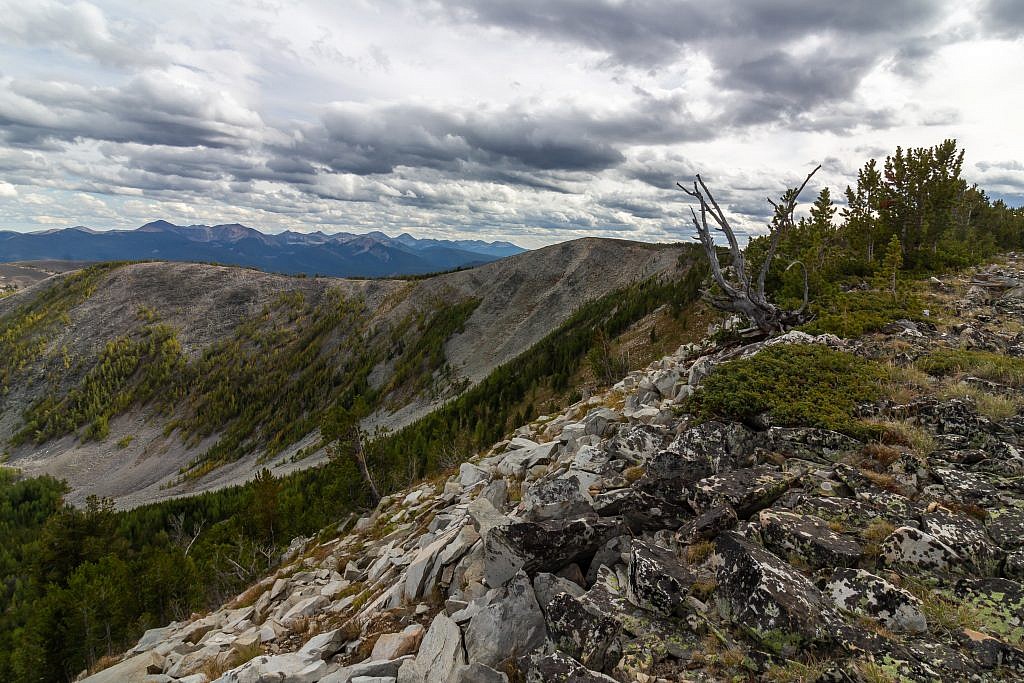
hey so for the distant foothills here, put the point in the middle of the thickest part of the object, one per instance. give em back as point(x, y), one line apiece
point(339, 254)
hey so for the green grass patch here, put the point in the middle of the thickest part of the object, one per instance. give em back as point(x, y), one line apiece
point(985, 364)
point(796, 385)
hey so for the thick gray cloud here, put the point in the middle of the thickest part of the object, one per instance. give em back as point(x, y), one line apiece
point(539, 120)
point(1005, 17)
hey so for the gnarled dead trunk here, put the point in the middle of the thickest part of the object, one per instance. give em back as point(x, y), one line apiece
point(743, 294)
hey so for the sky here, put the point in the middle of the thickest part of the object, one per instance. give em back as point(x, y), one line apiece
point(534, 121)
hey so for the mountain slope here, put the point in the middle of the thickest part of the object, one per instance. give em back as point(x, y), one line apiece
point(338, 254)
point(172, 378)
point(658, 532)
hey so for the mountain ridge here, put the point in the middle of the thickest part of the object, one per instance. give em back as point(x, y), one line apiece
point(512, 304)
point(341, 254)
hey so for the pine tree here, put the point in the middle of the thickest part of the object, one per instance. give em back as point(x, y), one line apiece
point(885, 277)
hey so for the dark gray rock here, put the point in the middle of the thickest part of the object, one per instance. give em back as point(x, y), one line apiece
point(809, 443)
point(542, 546)
point(746, 490)
point(560, 668)
point(809, 538)
point(658, 581)
point(697, 453)
point(765, 596)
point(1006, 526)
point(709, 524)
point(592, 640)
point(609, 554)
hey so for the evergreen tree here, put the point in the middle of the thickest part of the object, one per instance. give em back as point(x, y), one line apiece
point(886, 276)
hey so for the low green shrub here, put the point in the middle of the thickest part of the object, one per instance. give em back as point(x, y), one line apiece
point(796, 385)
point(852, 314)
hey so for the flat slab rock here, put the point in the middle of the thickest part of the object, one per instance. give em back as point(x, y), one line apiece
point(746, 490)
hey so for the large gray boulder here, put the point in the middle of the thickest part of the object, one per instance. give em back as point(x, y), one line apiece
point(440, 654)
point(510, 625)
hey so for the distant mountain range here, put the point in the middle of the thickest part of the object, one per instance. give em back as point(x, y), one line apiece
point(339, 254)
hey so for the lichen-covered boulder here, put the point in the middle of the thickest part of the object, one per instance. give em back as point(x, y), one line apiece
point(658, 581)
point(697, 453)
point(709, 524)
point(918, 550)
point(1006, 526)
point(992, 653)
point(769, 599)
point(967, 488)
point(1013, 568)
point(747, 490)
point(999, 604)
point(808, 538)
point(865, 594)
point(637, 444)
point(593, 640)
point(560, 668)
point(967, 537)
point(809, 443)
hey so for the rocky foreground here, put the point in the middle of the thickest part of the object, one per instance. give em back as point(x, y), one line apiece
point(627, 541)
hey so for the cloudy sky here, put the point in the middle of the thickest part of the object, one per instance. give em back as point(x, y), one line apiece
point(530, 120)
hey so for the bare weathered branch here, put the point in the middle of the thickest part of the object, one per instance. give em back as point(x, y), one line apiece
point(746, 297)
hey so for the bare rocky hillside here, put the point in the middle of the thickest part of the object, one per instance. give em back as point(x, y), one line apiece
point(521, 299)
point(634, 539)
